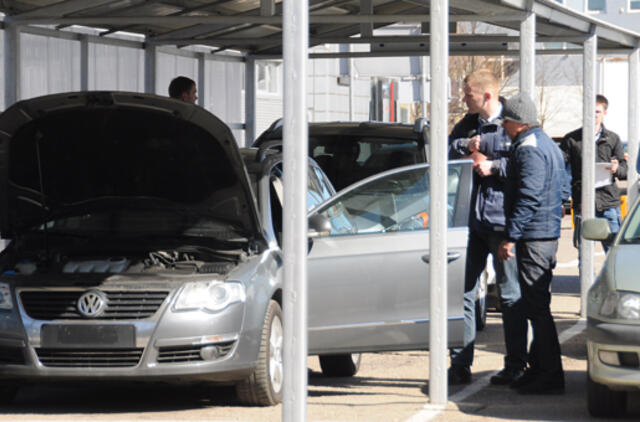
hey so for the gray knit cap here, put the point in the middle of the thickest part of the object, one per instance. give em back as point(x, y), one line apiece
point(520, 109)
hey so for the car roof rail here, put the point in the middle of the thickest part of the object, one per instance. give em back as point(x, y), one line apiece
point(419, 125)
point(268, 147)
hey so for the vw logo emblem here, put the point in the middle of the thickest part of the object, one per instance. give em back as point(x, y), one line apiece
point(92, 303)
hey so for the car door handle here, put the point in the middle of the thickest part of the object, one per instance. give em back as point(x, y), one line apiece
point(451, 256)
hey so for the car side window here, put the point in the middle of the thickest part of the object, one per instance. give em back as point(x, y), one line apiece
point(396, 202)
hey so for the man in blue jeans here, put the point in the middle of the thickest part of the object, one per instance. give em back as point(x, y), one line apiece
point(536, 184)
point(609, 149)
point(480, 133)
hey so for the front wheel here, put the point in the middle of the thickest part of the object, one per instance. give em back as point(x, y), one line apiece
point(604, 402)
point(264, 386)
point(345, 365)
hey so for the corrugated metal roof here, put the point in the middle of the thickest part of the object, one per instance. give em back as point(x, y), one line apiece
point(255, 26)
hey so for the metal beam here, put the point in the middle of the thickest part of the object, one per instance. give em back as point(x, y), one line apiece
point(150, 62)
point(366, 8)
point(249, 100)
point(84, 64)
point(11, 64)
point(389, 39)
point(295, 45)
point(588, 165)
point(267, 7)
point(62, 8)
point(437, 213)
point(528, 56)
point(251, 19)
point(201, 80)
point(634, 124)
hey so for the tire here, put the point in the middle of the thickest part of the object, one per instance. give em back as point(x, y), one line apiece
point(345, 365)
point(604, 402)
point(264, 386)
point(7, 393)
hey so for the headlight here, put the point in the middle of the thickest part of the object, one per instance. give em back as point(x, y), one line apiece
point(620, 305)
point(5, 297)
point(211, 295)
point(629, 306)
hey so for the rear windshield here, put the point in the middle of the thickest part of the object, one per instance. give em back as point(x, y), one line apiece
point(348, 159)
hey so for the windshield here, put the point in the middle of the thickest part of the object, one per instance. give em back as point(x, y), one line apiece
point(631, 232)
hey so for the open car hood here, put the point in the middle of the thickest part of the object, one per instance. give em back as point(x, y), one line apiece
point(67, 154)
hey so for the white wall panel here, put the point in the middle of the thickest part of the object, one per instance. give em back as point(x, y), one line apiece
point(49, 65)
point(116, 68)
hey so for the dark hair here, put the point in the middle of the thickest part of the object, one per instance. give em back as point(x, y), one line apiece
point(601, 99)
point(179, 85)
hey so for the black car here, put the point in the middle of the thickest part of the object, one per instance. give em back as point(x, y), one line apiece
point(351, 151)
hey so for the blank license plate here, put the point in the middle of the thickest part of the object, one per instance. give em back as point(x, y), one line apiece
point(78, 336)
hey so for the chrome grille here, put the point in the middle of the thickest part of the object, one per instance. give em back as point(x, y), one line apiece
point(190, 353)
point(89, 358)
point(61, 304)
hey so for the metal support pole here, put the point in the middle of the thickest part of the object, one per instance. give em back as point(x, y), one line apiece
point(295, 36)
point(588, 165)
point(528, 56)
point(438, 213)
point(150, 69)
point(423, 61)
point(11, 64)
point(352, 89)
point(634, 124)
point(84, 63)
point(250, 101)
point(201, 80)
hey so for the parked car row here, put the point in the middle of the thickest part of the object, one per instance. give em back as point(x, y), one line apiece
point(145, 245)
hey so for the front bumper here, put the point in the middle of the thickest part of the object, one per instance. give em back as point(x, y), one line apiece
point(170, 346)
point(620, 341)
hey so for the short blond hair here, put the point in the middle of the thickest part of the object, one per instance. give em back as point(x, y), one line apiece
point(485, 80)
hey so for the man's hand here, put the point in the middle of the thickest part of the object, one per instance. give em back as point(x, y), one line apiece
point(483, 168)
point(505, 250)
point(614, 166)
point(474, 144)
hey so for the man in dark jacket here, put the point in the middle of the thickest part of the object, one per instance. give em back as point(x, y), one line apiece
point(536, 181)
point(480, 133)
point(609, 149)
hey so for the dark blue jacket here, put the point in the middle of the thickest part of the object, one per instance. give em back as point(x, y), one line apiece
point(536, 185)
point(487, 196)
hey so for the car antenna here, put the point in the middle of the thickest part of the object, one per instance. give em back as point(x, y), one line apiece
point(39, 138)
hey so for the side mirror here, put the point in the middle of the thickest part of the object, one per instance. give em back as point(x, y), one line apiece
point(319, 225)
point(596, 229)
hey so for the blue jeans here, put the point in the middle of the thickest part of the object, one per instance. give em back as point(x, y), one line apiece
point(536, 260)
point(612, 215)
point(514, 323)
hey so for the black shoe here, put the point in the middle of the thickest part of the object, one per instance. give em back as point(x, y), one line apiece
point(506, 376)
point(527, 376)
point(459, 374)
point(543, 385)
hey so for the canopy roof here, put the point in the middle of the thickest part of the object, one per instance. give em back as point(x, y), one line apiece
point(255, 26)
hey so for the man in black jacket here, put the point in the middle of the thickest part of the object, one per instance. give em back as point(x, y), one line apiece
point(608, 150)
point(481, 134)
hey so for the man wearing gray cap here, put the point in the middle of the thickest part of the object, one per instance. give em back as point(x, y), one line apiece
point(536, 185)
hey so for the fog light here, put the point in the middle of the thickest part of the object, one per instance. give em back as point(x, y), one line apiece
point(610, 358)
point(209, 352)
